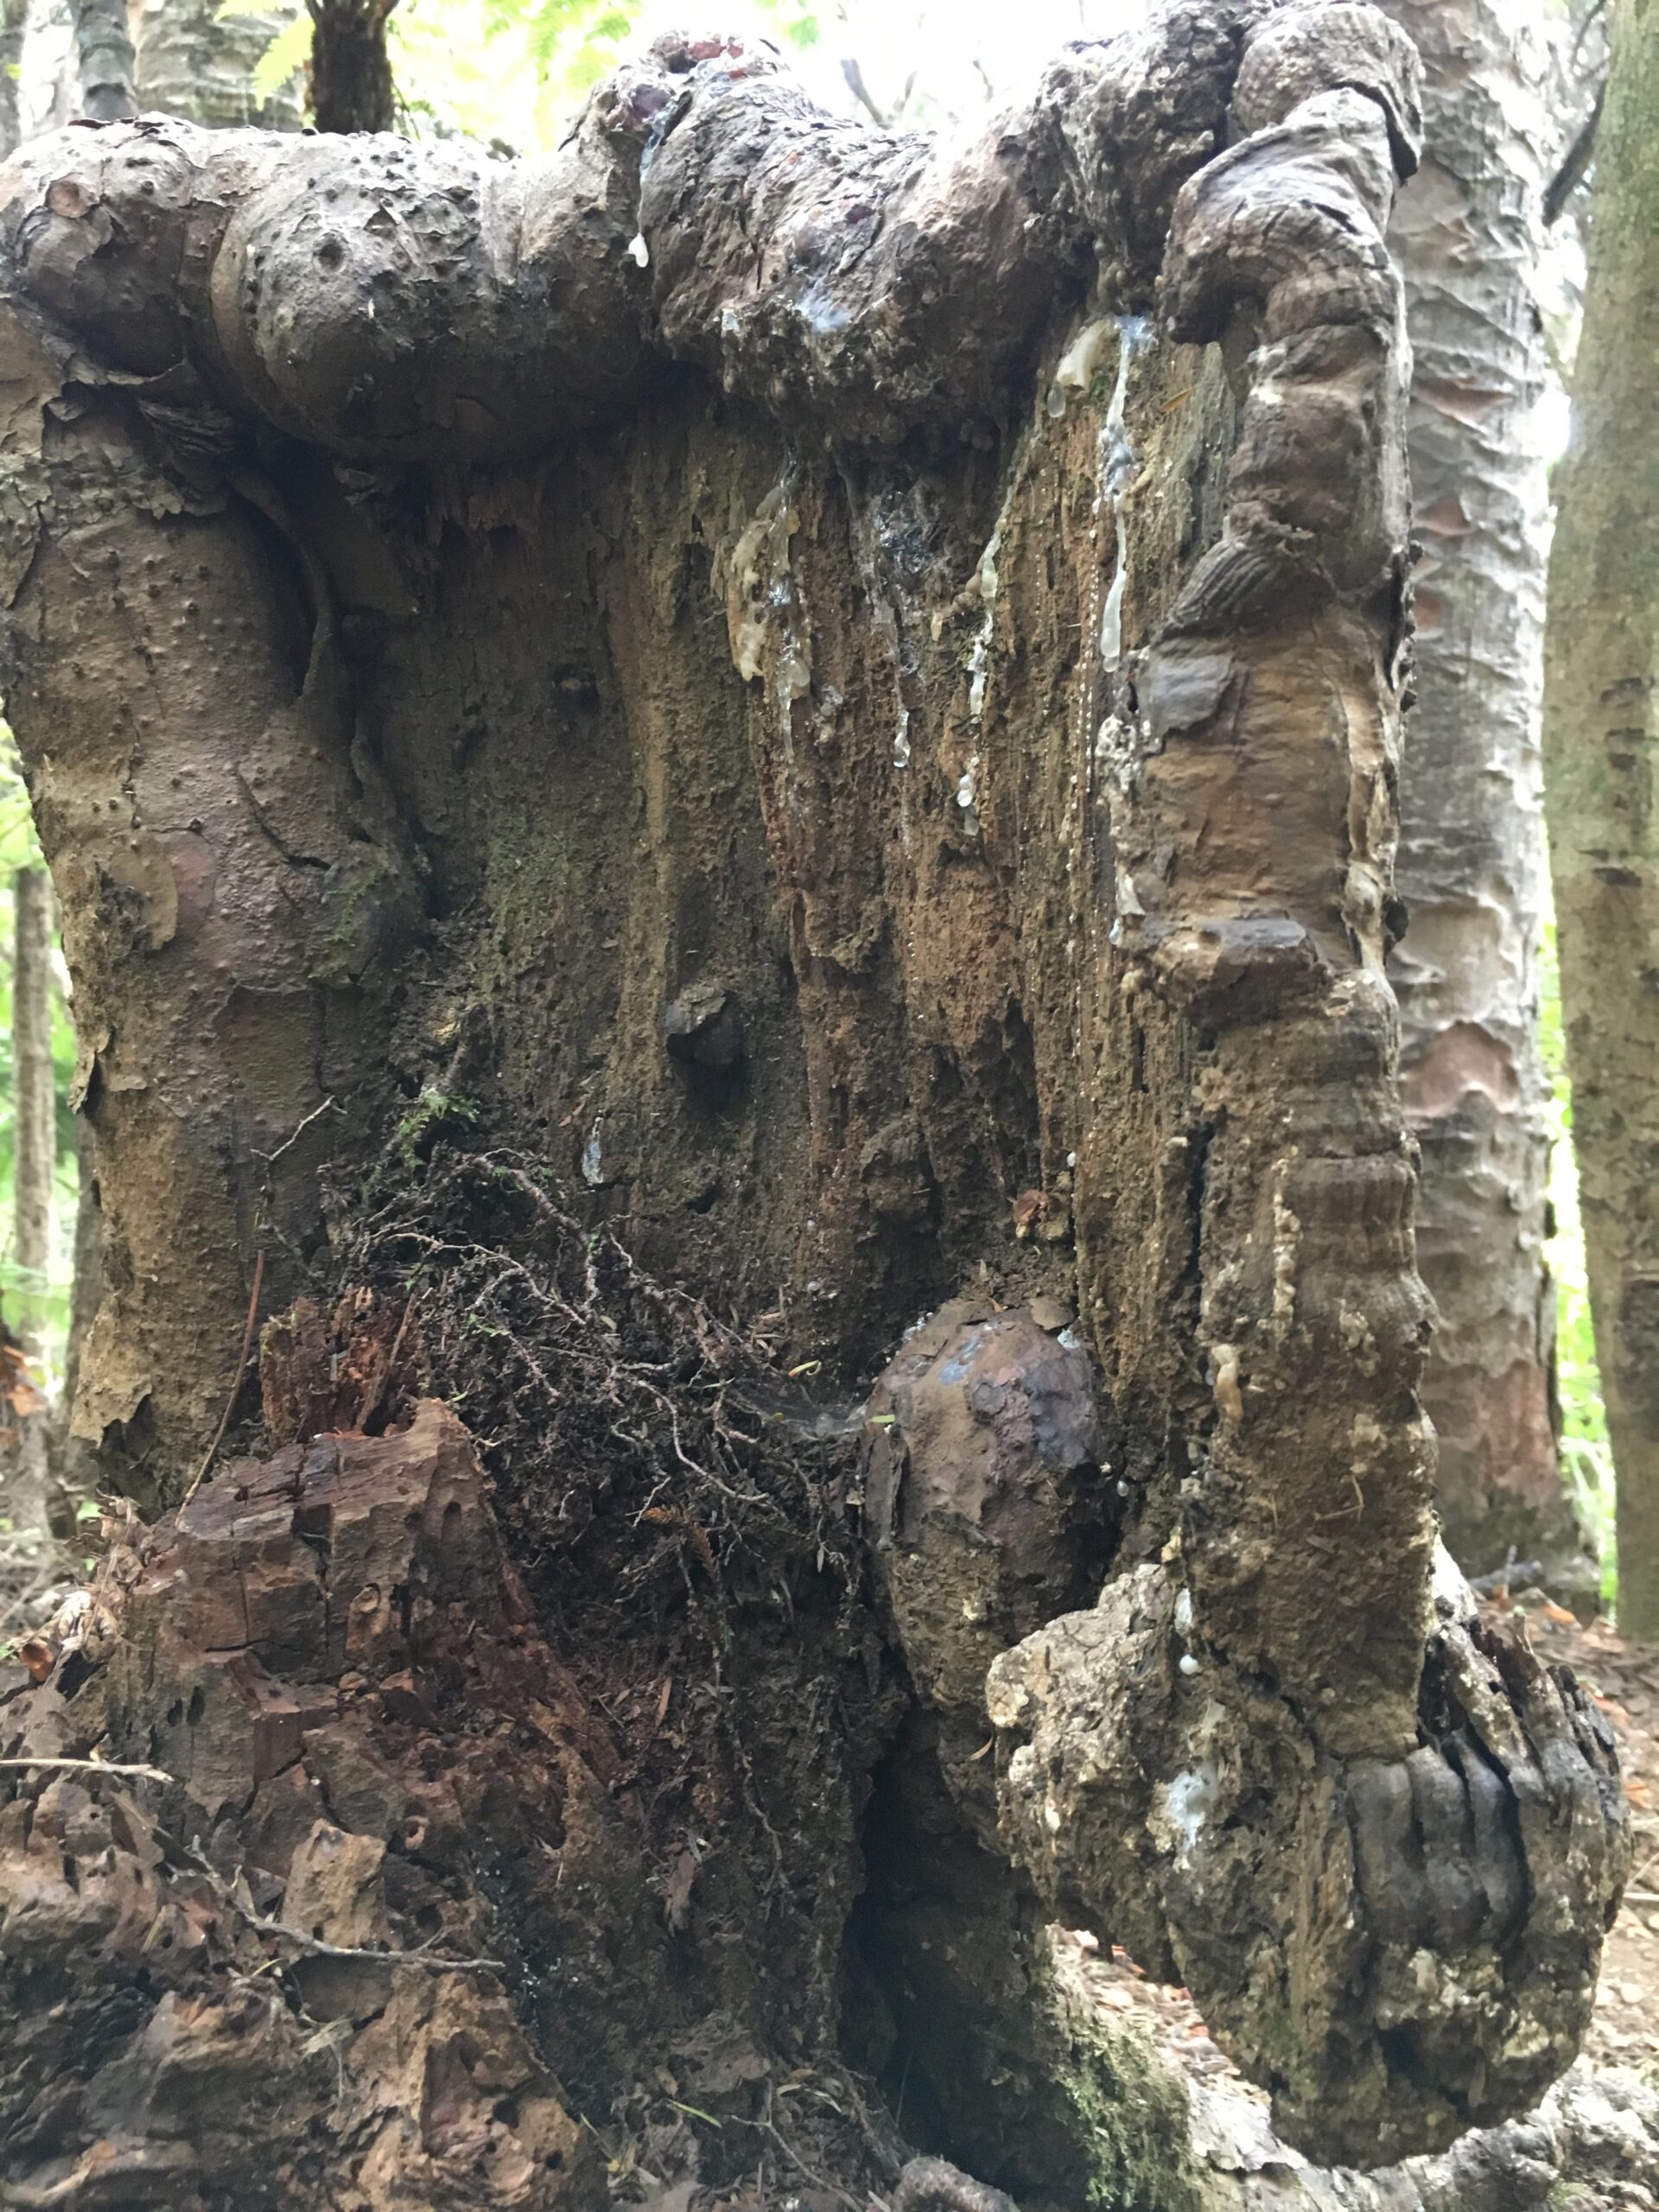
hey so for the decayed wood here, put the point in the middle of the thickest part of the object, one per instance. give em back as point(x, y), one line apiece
point(366, 1596)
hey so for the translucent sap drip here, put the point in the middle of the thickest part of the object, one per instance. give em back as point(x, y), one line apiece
point(967, 792)
point(1116, 474)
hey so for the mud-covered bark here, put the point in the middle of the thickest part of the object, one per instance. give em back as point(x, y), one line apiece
point(256, 858)
point(839, 700)
point(1599, 747)
point(1468, 232)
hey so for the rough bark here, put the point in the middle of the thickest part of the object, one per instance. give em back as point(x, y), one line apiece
point(1599, 740)
point(1593, 2145)
point(104, 52)
point(1468, 233)
point(35, 1159)
point(351, 69)
point(779, 737)
point(194, 62)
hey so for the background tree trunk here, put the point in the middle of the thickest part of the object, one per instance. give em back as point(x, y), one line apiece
point(351, 70)
point(194, 62)
point(74, 1463)
point(755, 752)
point(33, 1160)
point(103, 46)
point(14, 17)
point(1468, 231)
point(1601, 744)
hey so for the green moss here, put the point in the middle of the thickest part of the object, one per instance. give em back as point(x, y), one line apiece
point(365, 912)
point(1133, 2112)
point(432, 1110)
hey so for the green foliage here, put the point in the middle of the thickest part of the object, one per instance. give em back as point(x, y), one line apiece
point(433, 1112)
point(1587, 1458)
point(796, 24)
point(507, 72)
point(287, 53)
point(573, 44)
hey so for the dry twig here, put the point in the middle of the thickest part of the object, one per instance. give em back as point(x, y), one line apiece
point(98, 1766)
point(236, 1382)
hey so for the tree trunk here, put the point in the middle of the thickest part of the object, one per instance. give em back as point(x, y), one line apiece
point(1468, 232)
point(351, 70)
point(104, 48)
point(14, 18)
point(753, 752)
point(1600, 748)
point(194, 62)
point(35, 1159)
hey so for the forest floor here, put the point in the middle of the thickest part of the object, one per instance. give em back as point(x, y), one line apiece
point(1623, 1677)
point(1230, 2121)
point(1625, 1680)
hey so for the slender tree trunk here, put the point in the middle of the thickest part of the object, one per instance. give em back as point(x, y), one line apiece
point(33, 1157)
point(103, 46)
point(74, 1464)
point(351, 70)
point(14, 18)
point(1468, 231)
point(757, 751)
point(1601, 735)
point(194, 62)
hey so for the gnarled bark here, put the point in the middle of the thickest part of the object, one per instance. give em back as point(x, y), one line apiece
point(1468, 232)
point(741, 667)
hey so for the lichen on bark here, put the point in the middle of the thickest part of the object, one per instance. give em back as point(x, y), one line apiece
point(840, 701)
